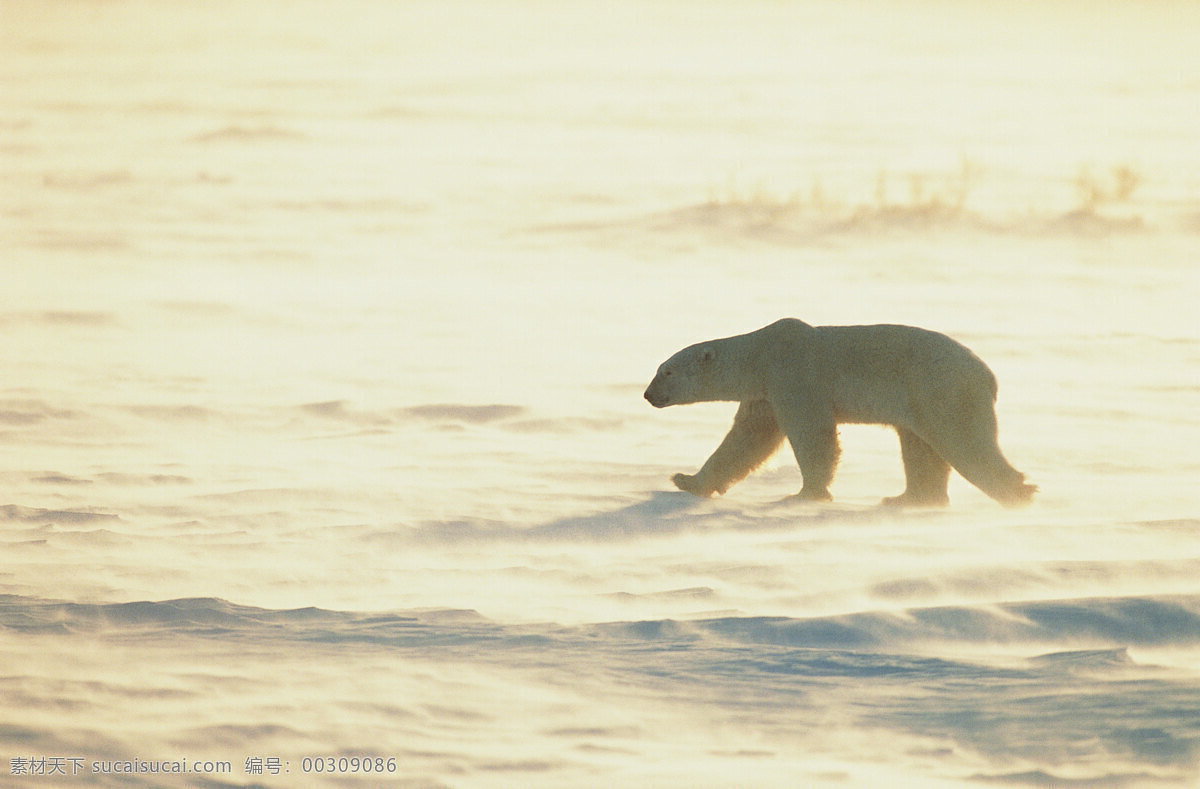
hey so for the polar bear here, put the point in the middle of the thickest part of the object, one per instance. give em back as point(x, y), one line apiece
point(799, 381)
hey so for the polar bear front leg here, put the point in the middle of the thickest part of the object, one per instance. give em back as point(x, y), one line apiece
point(817, 454)
point(816, 448)
point(754, 437)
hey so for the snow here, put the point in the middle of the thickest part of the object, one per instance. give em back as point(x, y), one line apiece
point(325, 339)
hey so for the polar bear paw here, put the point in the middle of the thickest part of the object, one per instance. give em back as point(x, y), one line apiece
point(910, 499)
point(814, 494)
point(689, 484)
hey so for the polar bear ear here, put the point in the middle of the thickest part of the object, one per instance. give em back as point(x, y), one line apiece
point(707, 354)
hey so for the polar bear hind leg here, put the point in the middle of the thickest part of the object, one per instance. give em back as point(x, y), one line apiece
point(926, 474)
point(973, 452)
point(754, 437)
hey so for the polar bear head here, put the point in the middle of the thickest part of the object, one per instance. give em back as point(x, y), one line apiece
point(684, 378)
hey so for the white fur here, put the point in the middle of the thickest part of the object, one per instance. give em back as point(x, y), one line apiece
point(800, 382)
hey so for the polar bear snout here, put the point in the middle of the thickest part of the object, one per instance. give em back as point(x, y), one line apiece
point(655, 398)
point(657, 393)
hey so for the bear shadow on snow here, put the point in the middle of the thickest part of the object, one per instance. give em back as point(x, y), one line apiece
point(799, 382)
point(656, 515)
point(671, 513)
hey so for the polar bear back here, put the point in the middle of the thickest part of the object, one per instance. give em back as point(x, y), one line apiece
point(886, 373)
